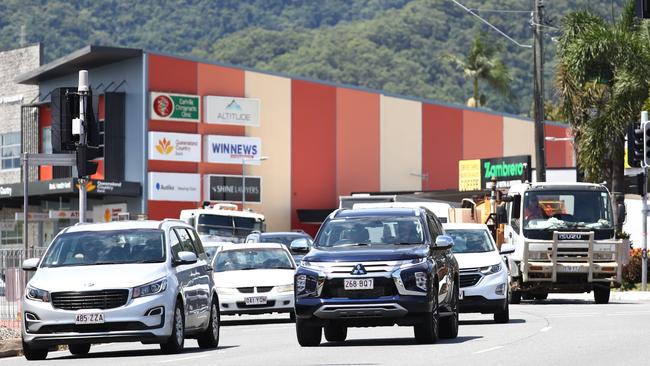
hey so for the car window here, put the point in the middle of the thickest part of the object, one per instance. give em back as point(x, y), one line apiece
point(106, 247)
point(175, 244)
point(185, 241)
point(198, 245)
point(471, 240)
point(247, 259)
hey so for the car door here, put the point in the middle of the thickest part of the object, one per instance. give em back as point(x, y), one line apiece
point(183, 275)
point(194, 295)
point(440, 257)
point(205, 278)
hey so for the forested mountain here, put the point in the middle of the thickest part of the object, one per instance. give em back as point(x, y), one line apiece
point(393, 45)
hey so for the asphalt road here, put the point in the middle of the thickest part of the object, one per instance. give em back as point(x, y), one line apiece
point(563, 330)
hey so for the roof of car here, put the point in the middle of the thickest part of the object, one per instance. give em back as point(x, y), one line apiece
point(466, 226)
point(252, 246)
point(376, 211)
point(122, 225)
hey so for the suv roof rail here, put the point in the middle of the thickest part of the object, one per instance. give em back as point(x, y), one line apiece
point(168, 220)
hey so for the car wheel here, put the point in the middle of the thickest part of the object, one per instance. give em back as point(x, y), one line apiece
point(32, 353)
point(210, 337)
point(292, 316)
point(504, 315)
point(601, 295)
point(449, 324)
point(528, 296)
point(427, 330)
point(176, 341)
point(79, 349)
point(308, 335)
point(515, 297)
point(336, 333)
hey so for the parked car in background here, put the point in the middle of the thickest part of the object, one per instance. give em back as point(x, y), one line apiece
point(211, 247)
point(378, 267)
point(123, 281)
point(302, 242)
point(254, 278)
point(484, 277)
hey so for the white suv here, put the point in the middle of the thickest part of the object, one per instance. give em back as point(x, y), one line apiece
point(484, 280)
point(124, 281)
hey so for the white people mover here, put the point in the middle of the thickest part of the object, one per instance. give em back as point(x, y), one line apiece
point(124, 281)
point(254, 278)
point(483, 273)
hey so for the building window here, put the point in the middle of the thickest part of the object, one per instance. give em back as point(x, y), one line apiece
point(11, 232)
point(10, 150)
point(47, 140)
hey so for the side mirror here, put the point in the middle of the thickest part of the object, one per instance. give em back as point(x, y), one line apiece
point(621, 213)
point(31, 264)
point(507, 248)
point(186, 258)
point(299, 245)
point(444, 242)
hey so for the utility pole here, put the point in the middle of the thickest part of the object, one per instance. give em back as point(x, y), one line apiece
point(538, 90)
point(644, 206)
point(79, 126)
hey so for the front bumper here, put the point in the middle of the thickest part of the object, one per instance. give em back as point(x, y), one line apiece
point(147, 319)
point(479, 304)
point(275, 303)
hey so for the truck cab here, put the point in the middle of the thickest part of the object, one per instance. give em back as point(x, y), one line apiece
point(564, 240)
point(223, 222)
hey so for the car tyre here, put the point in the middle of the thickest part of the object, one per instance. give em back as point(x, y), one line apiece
point(427, 331)
point(308, 335)
point(503, 316)
point(176, 341)
point(449, 324)
point(210, 337)
point(528, 296)
point(292, 316)
point(515, 297)
point(336, 333)
point(34, 353)
point(601, 295)
point(541, 296)
point(79, 349)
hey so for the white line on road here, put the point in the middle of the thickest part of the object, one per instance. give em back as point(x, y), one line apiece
point(186, 358)
point(488, 350)
point(545, 329)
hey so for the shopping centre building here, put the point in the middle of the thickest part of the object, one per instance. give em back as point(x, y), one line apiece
point(178, 132)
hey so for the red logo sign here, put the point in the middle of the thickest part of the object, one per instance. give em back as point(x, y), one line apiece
point(162, 105)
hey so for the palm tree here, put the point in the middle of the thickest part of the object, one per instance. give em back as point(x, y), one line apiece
point(602, 82)
point(480, 64)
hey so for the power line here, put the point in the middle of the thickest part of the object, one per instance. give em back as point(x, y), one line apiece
point(491, 25)
point(499, 11)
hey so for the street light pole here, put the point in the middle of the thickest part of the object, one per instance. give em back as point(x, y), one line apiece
point(243, 177)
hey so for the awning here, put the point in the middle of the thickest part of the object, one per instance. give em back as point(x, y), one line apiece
point(69, 186)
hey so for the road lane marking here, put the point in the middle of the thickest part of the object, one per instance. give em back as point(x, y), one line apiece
point(186, 358)
point(488, 350)
point(545, 329)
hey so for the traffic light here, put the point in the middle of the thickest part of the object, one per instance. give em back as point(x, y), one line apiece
point(65, 107)
point(645, 127)
point(635, 145)
point(85, 164)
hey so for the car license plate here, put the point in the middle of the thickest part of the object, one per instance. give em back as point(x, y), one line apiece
point(89, 318)
point(256, 300)
point(573, 269)
point(358, 284)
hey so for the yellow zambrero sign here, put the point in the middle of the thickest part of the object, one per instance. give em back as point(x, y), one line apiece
point(469, 175)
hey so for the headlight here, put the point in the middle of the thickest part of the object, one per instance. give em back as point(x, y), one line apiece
point(36, 294)
point(301, 283)
point(310, 265)
point(226, 291)
point(410, 263)
point(537, 255)
point(285, 288)
point(151, 288)
point(421, 280)
point(602, 256)
point(490, 269)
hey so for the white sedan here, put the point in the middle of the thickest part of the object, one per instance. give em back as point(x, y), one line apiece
point(483, 273)
point(254, 278)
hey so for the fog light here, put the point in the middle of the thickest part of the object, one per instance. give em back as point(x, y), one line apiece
point(421, 280)
point(30, 317)
point(301, 283)
point(501, 289)
point(154, 311)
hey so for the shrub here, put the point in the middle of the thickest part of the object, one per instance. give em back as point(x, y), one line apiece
point(632, 271)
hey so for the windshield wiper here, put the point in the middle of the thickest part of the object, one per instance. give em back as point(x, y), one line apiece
point(408, 243)
point(150, 261)
point(353, 245)
point(100, 263)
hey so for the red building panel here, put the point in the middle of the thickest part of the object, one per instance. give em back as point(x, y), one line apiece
point(159, 210)
point(482, 135)
point(173, 75)
point(442, 146)
point(313, 149)
point(556, 151)
point(357, 141)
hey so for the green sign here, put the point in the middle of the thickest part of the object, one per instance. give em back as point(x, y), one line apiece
point(175, 107)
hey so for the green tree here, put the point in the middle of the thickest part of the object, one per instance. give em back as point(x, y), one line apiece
point(602, 81)
point(481, 64)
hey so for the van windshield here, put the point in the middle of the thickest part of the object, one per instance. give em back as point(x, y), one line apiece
point(87, 248)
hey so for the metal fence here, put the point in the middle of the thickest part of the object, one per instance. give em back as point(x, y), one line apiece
point(12, 284)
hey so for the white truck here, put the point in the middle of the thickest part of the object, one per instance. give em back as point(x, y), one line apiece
point(564, 239)
point(223, 222)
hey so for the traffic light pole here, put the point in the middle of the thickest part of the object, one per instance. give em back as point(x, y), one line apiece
point(83, 100)
point(644, 210)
